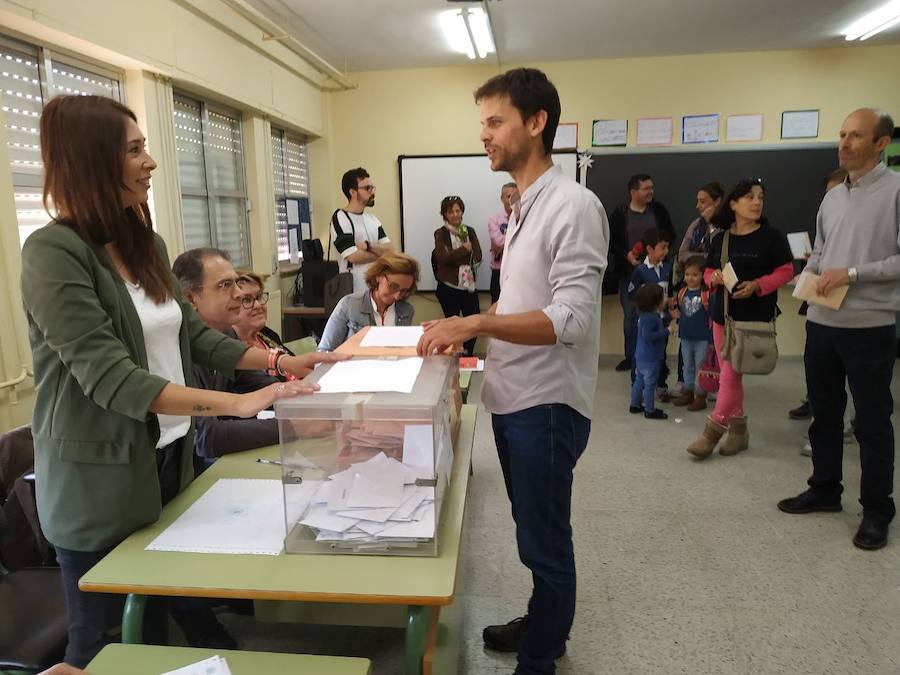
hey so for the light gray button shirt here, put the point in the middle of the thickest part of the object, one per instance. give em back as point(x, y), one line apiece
point(555, 257)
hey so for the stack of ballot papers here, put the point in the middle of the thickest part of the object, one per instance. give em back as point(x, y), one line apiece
point(392, 336)
point(806, 286)
point(376, 501)
point(214, 665)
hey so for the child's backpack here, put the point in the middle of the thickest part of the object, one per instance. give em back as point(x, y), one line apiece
point(704, 297)
point(708, 373)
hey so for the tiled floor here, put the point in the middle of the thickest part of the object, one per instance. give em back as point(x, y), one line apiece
point(684, 566)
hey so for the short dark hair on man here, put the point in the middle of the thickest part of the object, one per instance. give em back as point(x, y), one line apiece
point(884, 126)
point(648, 297)
point(188, 267)
point(697, 261)
point(655, 236)
point(528, 90)
point(448, 202)
point(350, 180)
point(634, 183)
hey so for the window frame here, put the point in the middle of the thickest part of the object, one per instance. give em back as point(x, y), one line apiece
point(280, 197)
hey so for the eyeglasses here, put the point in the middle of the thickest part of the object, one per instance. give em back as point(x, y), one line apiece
point(396, 289)
point(226, 285)
point(367, 188)
point(262, 298)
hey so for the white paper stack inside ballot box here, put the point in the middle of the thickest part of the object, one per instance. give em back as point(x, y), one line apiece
point(366, 460)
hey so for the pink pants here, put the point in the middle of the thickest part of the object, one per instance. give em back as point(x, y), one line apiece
point(730, 399)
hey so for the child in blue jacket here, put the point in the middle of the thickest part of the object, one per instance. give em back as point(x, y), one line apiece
point(649, 350)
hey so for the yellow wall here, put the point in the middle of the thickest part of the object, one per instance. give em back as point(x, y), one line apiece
point(424, 111)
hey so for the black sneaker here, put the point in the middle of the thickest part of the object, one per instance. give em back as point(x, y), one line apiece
point(801, 412)
point(808, 502)
point(623, 365)
point(506, 637)
point(656, 414)
point(872, 532)
point(635, 409)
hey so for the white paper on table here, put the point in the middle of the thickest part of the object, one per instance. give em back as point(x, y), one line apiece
point(375, 492)
point(700, 129)
point(235, 515)
point(370, 375)
point(654, 131)
point(214, 665)
point(321, 518)
point(743, 128)
point(609, 132)
point(392, 336)
point(418, 446)
point(801, 247)
point(729, 277)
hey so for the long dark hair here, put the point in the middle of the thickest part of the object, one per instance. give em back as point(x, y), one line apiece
point(724, 216)
point(83, 148)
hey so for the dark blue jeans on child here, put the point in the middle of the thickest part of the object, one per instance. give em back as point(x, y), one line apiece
point(646, 375)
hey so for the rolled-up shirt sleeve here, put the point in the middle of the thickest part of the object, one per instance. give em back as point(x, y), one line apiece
point(579, 255)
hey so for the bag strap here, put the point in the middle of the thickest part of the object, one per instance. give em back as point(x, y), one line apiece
point(334, 226)
point(723, 260)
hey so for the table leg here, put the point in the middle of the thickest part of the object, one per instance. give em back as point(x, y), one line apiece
point(133, 619)
point(416, 637)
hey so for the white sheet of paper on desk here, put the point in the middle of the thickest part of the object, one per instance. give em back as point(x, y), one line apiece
point(214, 665)
point(235, 515)
point(729, 277)
point(418, 447)
point(392, 336)
point(801, 247)
point(369, 375)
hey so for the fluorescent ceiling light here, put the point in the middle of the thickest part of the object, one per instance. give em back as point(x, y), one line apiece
point(874, 22)
point(468, 30)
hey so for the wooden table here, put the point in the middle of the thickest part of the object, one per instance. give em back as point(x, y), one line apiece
point(421, 584)
point(148, 660)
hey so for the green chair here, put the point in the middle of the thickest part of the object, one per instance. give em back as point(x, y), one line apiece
point(302, 346)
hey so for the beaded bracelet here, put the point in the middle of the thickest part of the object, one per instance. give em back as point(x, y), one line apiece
point(278, 369)
point(272, 362)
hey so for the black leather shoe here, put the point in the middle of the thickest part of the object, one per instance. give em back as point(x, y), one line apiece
point(872, 533)
point(506, 637)
point(623, 365)
point(656, 414)
point(801, 412)
point(635, 409)
point(808, 502)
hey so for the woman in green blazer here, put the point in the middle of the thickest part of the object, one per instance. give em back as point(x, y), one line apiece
point(113, 343)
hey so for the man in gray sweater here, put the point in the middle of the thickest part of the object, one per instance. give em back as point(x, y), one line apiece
point(857, 245)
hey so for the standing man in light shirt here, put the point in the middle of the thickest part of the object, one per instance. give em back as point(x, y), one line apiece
point(358, 236)
point(541, 368)
point(497, 225)
point(857, 245)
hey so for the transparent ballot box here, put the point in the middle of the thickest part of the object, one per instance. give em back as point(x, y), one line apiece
point(365, 473)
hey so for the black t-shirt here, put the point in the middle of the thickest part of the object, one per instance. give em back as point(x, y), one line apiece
point(752, 256)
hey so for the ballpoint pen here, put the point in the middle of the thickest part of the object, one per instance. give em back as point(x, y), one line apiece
point(268, 461)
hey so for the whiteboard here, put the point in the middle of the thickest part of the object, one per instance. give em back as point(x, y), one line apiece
point(426, 179)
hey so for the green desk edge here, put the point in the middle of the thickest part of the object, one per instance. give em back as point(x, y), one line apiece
point(147, 660)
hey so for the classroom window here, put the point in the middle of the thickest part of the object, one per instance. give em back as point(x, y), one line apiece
point(211, 171)
point(29, 77)
point(291, 168)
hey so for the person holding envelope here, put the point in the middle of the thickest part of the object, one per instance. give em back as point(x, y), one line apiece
point(858, 249)
point(758, 262)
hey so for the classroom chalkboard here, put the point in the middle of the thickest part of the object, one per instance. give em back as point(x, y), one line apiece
point(793, 176)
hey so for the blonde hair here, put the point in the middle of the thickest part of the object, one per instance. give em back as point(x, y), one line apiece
point(253, 278)
point(392, 263)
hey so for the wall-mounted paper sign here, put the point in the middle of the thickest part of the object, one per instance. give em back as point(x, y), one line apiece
point(700, 129)
point(566, 136)
point(654, 131)
point(609, 132)
point(800, 124)
point(743, 128)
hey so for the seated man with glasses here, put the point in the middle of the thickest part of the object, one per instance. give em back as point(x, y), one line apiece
point(211, 285)
point(390, 279)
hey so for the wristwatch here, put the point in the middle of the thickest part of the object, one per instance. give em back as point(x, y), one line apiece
point(368, 246)
point(852, 274)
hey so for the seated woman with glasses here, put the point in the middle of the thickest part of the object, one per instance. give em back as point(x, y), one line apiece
point(390, 279)
point(250, 326)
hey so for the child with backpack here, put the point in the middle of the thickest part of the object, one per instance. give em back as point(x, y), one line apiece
point(694, 331)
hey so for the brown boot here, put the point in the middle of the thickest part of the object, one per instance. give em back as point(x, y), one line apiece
point(687, 396)
point(738, 437)
point(699, 402)
point(704, 446)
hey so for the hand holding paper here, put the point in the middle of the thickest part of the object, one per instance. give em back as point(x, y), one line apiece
point(807, 288)
point(729, 277)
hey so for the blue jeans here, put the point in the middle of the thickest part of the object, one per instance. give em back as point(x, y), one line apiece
point(646, 374)
point(694, 354)
point(629, 318)
point(538, 448)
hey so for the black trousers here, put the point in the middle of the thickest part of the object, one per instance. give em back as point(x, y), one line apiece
point(864, 358)
point(495, 286)
point(455, 302)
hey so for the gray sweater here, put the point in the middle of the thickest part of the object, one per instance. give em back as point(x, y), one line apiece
point(858, 226)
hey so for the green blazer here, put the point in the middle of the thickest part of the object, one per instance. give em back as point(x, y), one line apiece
point(94, 436)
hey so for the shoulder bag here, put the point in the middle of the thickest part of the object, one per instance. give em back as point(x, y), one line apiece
point(337, 285)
